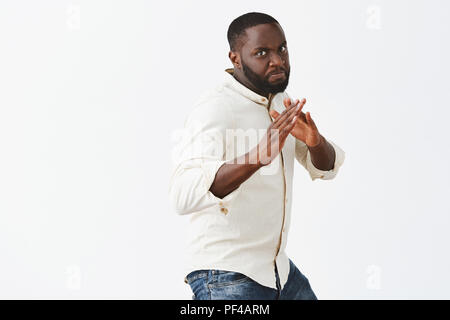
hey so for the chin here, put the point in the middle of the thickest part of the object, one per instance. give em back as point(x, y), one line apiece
point(277, 88)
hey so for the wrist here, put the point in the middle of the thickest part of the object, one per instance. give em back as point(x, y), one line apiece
point(254, 159)
point(318, 145)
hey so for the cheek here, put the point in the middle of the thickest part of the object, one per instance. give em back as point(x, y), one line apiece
point(259, 69)
point(287, 64)
point(259, 66)
point(286, 58)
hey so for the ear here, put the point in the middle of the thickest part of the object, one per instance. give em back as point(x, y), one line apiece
point(235, 59)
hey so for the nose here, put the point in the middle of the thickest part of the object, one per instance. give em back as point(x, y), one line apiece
point(276, 60)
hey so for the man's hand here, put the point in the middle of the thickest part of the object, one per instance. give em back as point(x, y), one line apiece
point(304, 128)
point(234, 172)
point(273, 141)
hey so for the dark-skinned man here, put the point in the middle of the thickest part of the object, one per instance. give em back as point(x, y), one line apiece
point(239, 194)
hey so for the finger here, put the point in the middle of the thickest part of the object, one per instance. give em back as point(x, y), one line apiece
point(287, 129)
point(274, 114)
point(298, 111)
point(293, 113)
point(281, 135)
point(286, 113)
point(288, 102)
point(290, 106)
point(310, 120)
point(290, 120)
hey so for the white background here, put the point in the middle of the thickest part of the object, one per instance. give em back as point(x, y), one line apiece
point(90, 92)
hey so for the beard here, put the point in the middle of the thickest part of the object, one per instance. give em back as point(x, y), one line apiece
point(263, 84)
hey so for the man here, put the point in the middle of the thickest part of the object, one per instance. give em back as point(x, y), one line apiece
point(239, 202)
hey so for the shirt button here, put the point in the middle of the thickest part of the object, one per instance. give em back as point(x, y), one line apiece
point(224, 210)
point(220, 203)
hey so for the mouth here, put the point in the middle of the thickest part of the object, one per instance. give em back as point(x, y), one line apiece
point(277, 76)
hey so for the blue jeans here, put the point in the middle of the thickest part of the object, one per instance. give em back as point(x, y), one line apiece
point(229, 285)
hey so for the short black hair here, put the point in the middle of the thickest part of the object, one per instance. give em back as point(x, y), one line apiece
point(238, 26)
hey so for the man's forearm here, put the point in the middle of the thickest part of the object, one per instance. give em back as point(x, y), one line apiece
point(323, 155)
point(232, 174)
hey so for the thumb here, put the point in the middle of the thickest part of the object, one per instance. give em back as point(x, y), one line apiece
point(310, 120)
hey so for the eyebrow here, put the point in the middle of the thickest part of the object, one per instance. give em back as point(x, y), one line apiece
point(264, 48)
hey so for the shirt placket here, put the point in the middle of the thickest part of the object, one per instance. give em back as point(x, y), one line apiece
point(284, 193)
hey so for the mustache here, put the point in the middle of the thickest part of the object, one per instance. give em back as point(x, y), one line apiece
point(277, 71)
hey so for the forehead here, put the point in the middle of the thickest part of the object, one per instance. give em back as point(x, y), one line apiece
point(263, 35)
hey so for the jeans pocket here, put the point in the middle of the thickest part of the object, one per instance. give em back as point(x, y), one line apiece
point(195, 275)
point(198, 282)
point(223, 278)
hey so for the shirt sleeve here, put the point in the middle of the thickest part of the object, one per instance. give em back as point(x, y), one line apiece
point(198, 156)
point(303, 156)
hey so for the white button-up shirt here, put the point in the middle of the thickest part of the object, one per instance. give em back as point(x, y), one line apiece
point(246, 231)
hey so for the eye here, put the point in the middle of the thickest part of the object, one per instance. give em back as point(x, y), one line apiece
point(285, 49)
point(260, 51)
